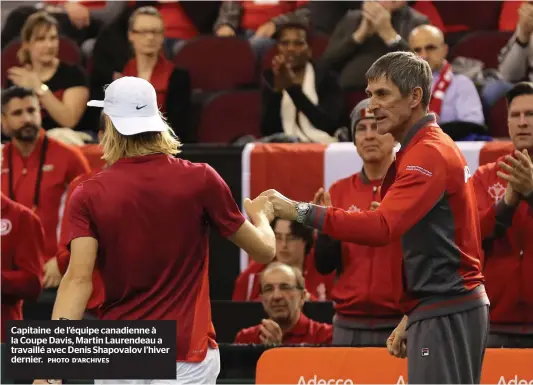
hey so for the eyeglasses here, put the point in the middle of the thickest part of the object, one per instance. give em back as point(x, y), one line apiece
point(427, 48)
point(145, 32)
point(283, 287)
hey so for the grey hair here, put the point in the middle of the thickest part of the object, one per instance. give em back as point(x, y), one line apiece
point(406, 70)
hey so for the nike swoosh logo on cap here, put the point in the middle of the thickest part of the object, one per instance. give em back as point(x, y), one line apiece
point(138, 108)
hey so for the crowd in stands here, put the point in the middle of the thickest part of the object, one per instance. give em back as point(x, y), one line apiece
point(233, 72)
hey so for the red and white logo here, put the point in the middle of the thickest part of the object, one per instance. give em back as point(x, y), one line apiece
point(6, 226)
point(496, 191)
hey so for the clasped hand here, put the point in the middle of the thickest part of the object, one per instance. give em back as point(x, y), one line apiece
point(518, 172)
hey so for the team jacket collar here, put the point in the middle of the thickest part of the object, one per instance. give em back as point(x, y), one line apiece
point(422, 123)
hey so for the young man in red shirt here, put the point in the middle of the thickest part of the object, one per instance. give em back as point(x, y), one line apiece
point(429, 203)
point(145, 220)
point(283, 295)
point(22, 259)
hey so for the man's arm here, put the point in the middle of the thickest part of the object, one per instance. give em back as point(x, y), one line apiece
point(342, 45)
point(256, 237)
point(76, 286)
point(420, 184)
point(26, 281)
point(494, 218)
point(230, 14)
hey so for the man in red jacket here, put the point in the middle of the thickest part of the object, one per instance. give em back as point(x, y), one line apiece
point(429, 203)
point(22, 258)
point(283, 295)
point(367, 291)
point(506, 216)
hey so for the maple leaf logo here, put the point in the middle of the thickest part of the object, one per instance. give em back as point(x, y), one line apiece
point(496, 191)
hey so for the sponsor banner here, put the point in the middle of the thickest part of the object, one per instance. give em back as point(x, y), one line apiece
point(344, 366)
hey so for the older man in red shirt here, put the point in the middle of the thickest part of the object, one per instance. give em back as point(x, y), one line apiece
point(283, 295)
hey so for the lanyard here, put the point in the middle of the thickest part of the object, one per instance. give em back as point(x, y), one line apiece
point(42, 159)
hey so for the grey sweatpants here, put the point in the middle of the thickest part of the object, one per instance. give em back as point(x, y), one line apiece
point(360, 337)
point(448, 349)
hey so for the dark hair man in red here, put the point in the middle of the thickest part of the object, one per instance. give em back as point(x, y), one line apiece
point(145, 220)
point(430, 204)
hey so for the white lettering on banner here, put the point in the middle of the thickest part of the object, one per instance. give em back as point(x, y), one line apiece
point(401, 381)
point(321, 381)
point(514, 381)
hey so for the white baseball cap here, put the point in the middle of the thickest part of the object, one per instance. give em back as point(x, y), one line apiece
point(131, 104)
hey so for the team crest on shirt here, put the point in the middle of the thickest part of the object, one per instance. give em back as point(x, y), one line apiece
point(48, 167)
point(354, 209)
point(6, 226)
point(496, 191)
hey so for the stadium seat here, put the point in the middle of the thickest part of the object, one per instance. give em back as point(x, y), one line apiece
point(469, 15)
point(498, 119)
point(484, 46)
point(227, 116)
point(509, 15)
point(217, 64)
point(69, 52)
point(428, 8)
point(351, 98)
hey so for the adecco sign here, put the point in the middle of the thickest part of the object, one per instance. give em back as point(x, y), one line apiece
point(344, 366)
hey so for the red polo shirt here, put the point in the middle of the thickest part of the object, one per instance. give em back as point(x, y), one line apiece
point(22, 258)
point(306, 331)
point(61, 165)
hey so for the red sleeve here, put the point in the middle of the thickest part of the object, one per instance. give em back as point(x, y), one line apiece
point(420, 183)
point(63, 254)
point(248, 336)
point(220, 205)
point(485, 204)
point(324, 334)
point(79, 216)
point(26, 281)
point(77, 165)
point(240, 290)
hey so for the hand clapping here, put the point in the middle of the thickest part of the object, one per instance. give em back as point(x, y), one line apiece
point(518, 172)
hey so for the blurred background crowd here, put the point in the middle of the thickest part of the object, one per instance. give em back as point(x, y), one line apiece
point(233, 72)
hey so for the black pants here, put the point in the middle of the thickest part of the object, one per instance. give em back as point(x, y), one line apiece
point(360, 337)
point(448, 349)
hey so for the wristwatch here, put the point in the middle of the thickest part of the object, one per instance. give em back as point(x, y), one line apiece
point(302, 208)
point(396, 40)
point(43, 89)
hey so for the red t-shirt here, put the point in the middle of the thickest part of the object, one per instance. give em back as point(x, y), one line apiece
point(22, 258)
point(151, 216)
point(306, 331)
point(62, 164)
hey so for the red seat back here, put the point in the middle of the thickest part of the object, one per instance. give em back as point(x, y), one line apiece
point(484, 46)
point(229, 115)
point(217, 64)
point(498, 119)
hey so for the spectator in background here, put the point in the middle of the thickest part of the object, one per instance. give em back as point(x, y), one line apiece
point(172, 84)
point(258, 20)
point(299, 98)
point(61, 88)
point(22, 259)
point(79, 20)
point(454, 97)
point(294, 244)
point(367, 291)
point(365, 35)
point(325, 15)
point(516, 58)
point(506, 216)
point(36, 170)
point(283, 296)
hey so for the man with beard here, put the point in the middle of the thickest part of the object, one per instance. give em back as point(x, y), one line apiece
point(283, 296)
point(36, 170)
point(299, 99)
